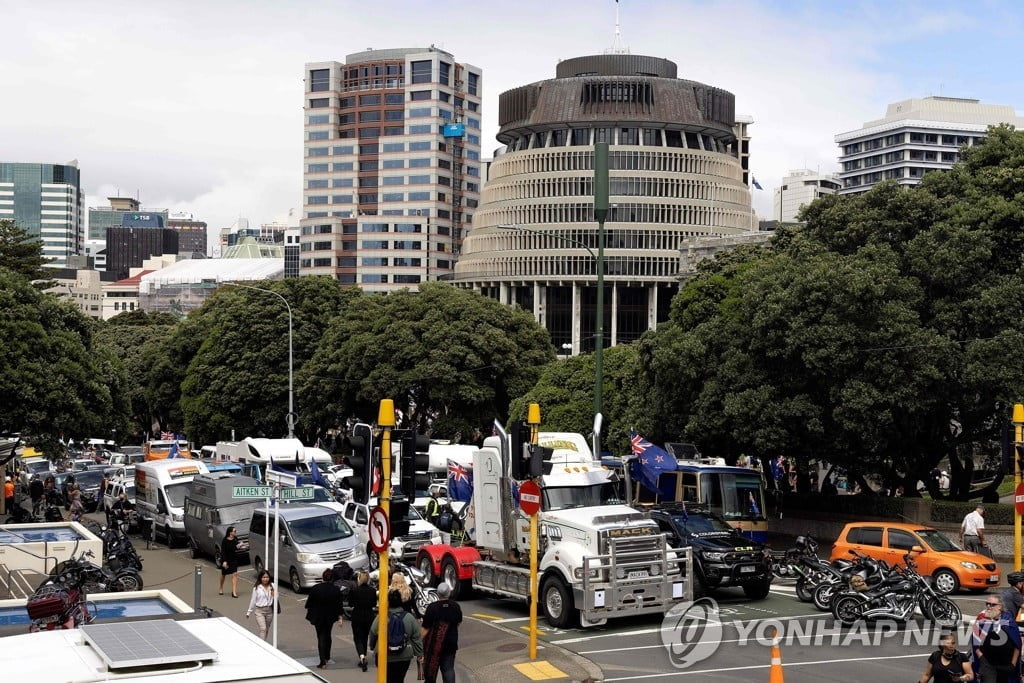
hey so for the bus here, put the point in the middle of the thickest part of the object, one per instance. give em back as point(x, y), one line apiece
point(734, 493)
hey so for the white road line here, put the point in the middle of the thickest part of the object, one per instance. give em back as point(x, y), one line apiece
point(640, 632)
point(704, 672)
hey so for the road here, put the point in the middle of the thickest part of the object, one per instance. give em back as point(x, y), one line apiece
point(628, 649)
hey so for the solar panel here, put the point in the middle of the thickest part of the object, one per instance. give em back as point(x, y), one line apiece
point(145, 643)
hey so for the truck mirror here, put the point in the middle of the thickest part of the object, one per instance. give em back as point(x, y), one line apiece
point(284, 539)
point(161, 508)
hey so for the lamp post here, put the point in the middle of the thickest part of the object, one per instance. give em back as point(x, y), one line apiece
point(290, 418)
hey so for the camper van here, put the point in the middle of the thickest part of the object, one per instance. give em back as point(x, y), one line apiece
point(160, 490)
point(312, 538)
point(286, 454)
point(210, 508)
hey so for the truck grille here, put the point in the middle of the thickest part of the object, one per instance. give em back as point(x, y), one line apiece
point(651, 544)
point(417, 536)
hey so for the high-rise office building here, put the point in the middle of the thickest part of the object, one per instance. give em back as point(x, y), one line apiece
point(675, 173)
point(916, 137)
point(128, 247)
point(191, 233)
point(46, 200)
point(392, 166)
point(123, 211)
point(799, 188)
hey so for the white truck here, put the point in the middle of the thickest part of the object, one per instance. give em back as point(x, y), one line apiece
point(597, 558)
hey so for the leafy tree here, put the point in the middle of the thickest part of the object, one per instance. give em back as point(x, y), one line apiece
point(20, 251)
point(232, 359)
point(438, 353)
point(53, 380)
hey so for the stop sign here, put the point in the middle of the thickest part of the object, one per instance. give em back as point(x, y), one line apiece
point(1018, 498)
point(529, 498)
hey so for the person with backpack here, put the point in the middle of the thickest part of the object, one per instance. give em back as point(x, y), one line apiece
point(404, 640)
point(323, 610)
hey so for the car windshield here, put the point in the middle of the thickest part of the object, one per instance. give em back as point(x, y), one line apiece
point(319, 529)
point(702, 524)
point(564, 497)
point(38, 466)
point(936, 541)
point(89, 478)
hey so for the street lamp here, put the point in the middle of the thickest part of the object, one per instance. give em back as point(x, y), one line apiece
point(290, 418)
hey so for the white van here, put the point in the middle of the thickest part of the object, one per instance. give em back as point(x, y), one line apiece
point(160, 490)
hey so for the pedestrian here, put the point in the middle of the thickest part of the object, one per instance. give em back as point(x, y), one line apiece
point(433, 507)
point(35, 492)
point(947, 664)
point(441, 636)
point(995, 642)
point(400, 584)
point(363, 601)
point(399, 654)
point(262, 602)
point(972, 532)
point(9, 495)
point(1013, 597)
point(76, 507)
point(229, 561)
point(323, 610)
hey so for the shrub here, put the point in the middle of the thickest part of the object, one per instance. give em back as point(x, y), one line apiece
point(955, 511)
point(860, 505)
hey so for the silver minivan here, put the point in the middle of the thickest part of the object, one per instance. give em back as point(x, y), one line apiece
point(312, 538)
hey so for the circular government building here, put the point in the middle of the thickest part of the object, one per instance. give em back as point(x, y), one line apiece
point(677, 167)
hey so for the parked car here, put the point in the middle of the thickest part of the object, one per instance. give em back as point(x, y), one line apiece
point(950, 567)
point(403, 548)
point(90, 483)
point(33, 466)
point(116, 487)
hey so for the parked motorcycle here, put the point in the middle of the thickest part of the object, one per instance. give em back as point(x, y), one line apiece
point(422, 594)
point(785, 562)
point(119, 550)
point(57, 606)
point(21, 515)
point(87, 577)
point(896, 597)
point(864, 571)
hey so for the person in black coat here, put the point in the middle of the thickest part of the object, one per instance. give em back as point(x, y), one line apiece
point(362, 600)
point(323, 610)
point(229, 561)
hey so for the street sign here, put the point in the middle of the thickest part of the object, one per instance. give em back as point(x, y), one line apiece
point(1018, 498)
point(380, 529)
point(305, 493)
point(252, 491)
point(529, 498)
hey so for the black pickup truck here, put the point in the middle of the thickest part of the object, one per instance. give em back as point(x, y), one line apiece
point(721, 556)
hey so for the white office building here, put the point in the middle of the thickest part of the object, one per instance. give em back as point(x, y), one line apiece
point(46, 200)
point(916, 137)
point(799, 188)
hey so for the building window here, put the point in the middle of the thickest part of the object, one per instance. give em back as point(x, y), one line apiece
point(368, 182)
point(320, 103)
point(319, 135)
point(400, 244)
point(375, 261)
point(369, 165)
point(341, 199)
point(420, 71)
point(420, 111)
point(419, 163)
point(407, 227)
point(346, 102)
point(345, 149)
point(316, 184)
point(419, 196)
point(394, 115)
point(374, 278)
point(392, 131)
point(368, 148)
point(419, 180)
point(394, 146)
point(318, 151)
point(375, 244)
point(320, 80)
point(372, 115)
point(393, 163)
point(369, 132)
point(407, 279)
point(394, 98)
point(419, 146)
point(319, 118)
point(368, 198)
point(393, 197)
point(420, 129)
point(318, 168)
point(420, 95)
point(473, 83)
point(369, 100)
point(444, 73)
point(341, 182)
point(395, 179)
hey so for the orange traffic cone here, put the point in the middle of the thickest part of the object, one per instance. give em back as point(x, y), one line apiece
point(775, 673)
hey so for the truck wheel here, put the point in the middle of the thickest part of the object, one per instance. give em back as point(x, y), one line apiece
point(193, 549)
point(169, 535)
point(557, 600)
point(461, 588)
point(757, 590)
point(426, 566)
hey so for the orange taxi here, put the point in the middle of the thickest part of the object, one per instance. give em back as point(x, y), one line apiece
point(950, 567)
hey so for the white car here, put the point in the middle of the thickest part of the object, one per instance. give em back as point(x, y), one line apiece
point(404, 548)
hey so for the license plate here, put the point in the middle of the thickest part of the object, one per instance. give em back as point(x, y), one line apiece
point(994, 578)
point(638, 574)
point(747, 570)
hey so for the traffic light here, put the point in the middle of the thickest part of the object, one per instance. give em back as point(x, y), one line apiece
point(361, 462)
point(519, 434)
point(399, 516)
point(415, 464)
point(538, 459)
point(1020, 458)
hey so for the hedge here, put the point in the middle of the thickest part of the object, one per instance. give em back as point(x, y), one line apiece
point(950, 511)
point(874, 506)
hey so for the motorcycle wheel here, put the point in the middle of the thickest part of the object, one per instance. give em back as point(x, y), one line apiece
point(822, 596)
point(944, 612)
point(846, 609)
point(804, 591)
point(127, 582)
point(423, 599)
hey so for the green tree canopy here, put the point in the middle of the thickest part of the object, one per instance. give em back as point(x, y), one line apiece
point(439, 353)
point(21, 252)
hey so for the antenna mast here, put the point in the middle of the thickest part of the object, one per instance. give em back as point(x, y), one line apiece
point(617, 47)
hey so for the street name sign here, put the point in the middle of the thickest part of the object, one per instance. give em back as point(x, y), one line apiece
point(297, 494)
point(252, 491)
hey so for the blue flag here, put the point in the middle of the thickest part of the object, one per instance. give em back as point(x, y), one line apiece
point(756, 184)
point(460, 482)
point(651, 461)
point(754, 509)
point(314, 474)
point(174, 450)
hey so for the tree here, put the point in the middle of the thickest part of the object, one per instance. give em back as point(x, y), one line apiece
point(53, 380)
point(441, 353)
point(20, 252)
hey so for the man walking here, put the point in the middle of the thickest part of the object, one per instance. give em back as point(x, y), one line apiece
point(972, 532)
point(1013, 597)
point(323, 610)
point(441, 636)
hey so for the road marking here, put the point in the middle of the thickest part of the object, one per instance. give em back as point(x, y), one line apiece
point(488, 616)
point(540, 631)
point(704, 672)
point(657, 629)
point(540, 670)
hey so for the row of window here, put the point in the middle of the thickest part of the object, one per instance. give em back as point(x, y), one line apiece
point(370, 211)
point(583, 212)
point(373, 132)
point(561, 266)
point(388, 147)
point(630, 187)
point(371, 148)
point(376, 99)
point(901, 155)
point(912, 137)
point(890, 174)
point(655, 239)
point(720, 167)
point(647, 137)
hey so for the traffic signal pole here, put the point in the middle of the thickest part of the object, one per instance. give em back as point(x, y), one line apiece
point(1018, 441)
point(533, 419)
point(386, 420)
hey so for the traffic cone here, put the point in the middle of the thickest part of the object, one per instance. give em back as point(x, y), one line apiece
point(775, 673)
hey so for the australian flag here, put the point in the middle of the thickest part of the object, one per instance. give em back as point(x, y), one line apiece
point(651, 461)
point(460, 482)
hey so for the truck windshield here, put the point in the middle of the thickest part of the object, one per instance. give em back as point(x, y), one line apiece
point(319, 529)
point(564, 497)
point(176, 494)
point(236, 514)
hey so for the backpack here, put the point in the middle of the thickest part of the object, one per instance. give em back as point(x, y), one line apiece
point(397, 637)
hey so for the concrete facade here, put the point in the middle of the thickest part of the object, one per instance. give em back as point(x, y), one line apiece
point(799, 188)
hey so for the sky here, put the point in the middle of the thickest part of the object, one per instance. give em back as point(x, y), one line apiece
point(196, 106)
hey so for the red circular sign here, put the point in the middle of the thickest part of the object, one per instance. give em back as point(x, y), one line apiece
point(1018, 498)
point(529, 498)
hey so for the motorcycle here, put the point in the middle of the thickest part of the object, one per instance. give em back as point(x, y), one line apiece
point(896, 597)
point(784, 562)
point(126, 520)
point(119, 550)
point(88, 577)
point(422, 594)
point(57, 606)
point(868, 571)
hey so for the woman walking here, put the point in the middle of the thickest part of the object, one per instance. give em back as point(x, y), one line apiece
point(362, 600)
point(262, 603)
point(229, 561)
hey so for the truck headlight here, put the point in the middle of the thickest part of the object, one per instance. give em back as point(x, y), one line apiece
point(714, 557)
point(307, 557)
point(655, 569)
point(578, 573)
point(177, 518)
